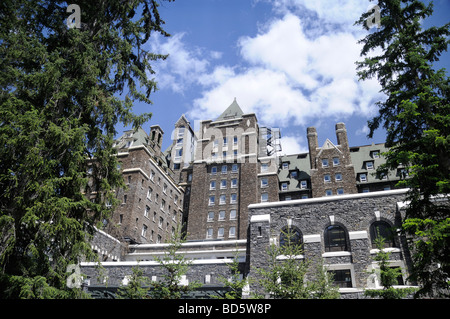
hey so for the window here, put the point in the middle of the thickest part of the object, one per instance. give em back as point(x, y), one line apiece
point(235, 153)
point(335, 161)
point(234, 168)
point(178, 152)
point(223, 184)
point(264, 182)
point(224, 169)
point(284, 186)
point(159, 239)
point(211, 200)
point(161, 222)
point(149, 193)
point(235, 140)
point(232, 214)
point(222, 215)
point(144, 231)
point(342, 278)
point(338, 177)
point(325, 162)
point(335, 238)
point(163, 204)
point(369, 165)
point(285, 165)
point(222, 199)
point(327, 178)
point(225, 141)
point(181, 131)
point(165, 188)
point(382, 229)
point(363, 177)
point(232, 232)
point(233, 198)
point(214, 170)
point(366, 190)
point(264, 197)
point(303, 184)
point(340, 191)
point(224, 154)
point(212, 185)
point(147, 210)
point(264, 167)
point(210, 216)
point(209, 233)
point(328, 192)
point(179, 142)
point(220, 232)
point(375, 154)
point(290, 236)
point(152, 176)
point(124, 199)
point(234, 183)
point(305, 196)
point(287, 197)
point(293, 174)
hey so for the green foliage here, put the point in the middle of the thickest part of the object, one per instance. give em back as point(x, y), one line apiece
point(59, 105)
point(288, 276)
point(416, 116)
point(175, 266)
point(237, 282)
point(388, 276)
point(137, 286)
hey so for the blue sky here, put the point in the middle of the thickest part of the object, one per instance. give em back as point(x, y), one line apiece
point(289, 61)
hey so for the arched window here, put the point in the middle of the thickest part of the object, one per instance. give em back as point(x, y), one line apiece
point(290, 236)
point(335, 238)
point(382, 229)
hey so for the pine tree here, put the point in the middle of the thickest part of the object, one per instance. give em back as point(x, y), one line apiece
point(62, 92)
point(416, 116)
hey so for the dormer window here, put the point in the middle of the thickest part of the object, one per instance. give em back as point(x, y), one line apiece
point(369, 165)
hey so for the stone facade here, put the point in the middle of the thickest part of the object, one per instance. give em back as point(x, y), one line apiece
point(354, 214)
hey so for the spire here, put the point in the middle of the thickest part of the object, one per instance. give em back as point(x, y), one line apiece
point(233, 111)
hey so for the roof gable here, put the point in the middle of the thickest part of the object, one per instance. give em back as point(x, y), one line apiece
point(233, 111)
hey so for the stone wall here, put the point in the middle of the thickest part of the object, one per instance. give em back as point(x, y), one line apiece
point(354, 213)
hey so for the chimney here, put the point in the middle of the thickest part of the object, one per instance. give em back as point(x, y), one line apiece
point(313, 144)
point(341, 135)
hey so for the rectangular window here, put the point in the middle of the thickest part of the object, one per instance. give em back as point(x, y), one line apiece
point(294, 174)
point(149, 193)
point(163, 204)
point(340, 191)
point(342, 278)
point(209, 233)
point(210, 216)
point(264, 167)
point(222, 199)
point(224, 169)
point(232, 214)
point(369, 165)
point(284, 186)
point(211, 200)
point(285, 165)
point(222, 215)
point(214, 170)
point(225, 141)
point(233, 198)
point(325, 162)
point(328, 192)
point(303, 184)
point(212, 185)
point(375, 154)
point(223, 184)
point(234, 168)
point(264, 197)
point(235, 140)
point(144, 231)
point(232, 232)
point(220, 232)
point(362, 177)
point(161, 222)
point(264, 182)
point(335, 161)
point(327, 178)
point(147, 210)
point(234, 183)
point(338, 177)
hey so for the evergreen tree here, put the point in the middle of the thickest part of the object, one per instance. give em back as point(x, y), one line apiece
point(237, 282)
point(388, 276)
point(416, 116)
point(288, 276)
point(62, 92)
point(175, 266)
point(137, 286)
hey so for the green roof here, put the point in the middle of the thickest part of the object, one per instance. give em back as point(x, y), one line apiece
point(233, 111)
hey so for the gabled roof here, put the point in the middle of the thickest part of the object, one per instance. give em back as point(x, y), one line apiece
point(233, 111)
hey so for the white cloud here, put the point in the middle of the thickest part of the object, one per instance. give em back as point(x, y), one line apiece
point(293, 144)
point(291, 78)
